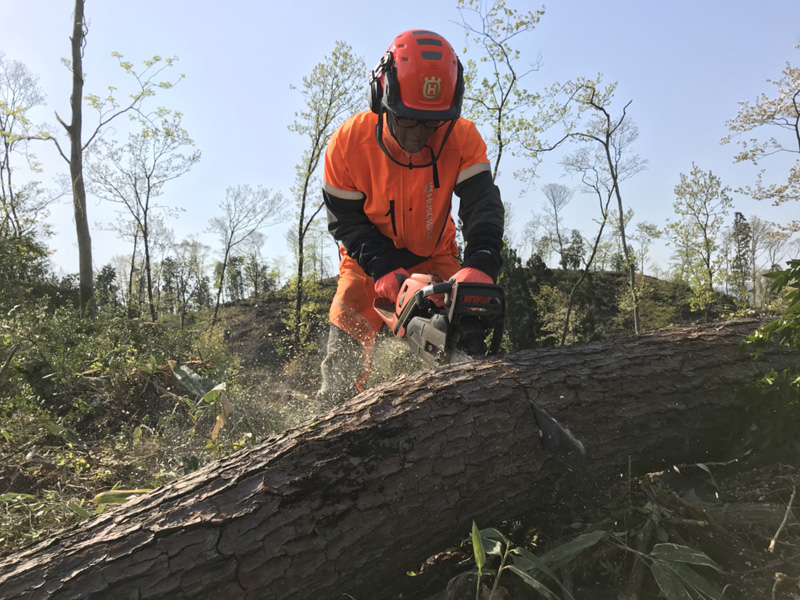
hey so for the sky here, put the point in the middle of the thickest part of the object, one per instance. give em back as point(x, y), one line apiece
point(684, 65)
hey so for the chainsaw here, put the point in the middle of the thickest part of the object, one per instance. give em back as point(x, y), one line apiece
point(446, 322)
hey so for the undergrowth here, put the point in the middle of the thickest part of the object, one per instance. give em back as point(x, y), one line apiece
point(93, 406)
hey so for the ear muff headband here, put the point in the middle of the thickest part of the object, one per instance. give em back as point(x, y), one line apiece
point(458, 96)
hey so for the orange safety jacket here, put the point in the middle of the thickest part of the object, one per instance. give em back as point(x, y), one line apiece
point(387, 216)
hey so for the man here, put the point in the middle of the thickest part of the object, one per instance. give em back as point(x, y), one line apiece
point(390, 173)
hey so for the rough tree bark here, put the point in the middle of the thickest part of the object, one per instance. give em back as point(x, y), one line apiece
point(351, 503)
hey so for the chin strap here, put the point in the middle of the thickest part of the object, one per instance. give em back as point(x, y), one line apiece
point(434, 157)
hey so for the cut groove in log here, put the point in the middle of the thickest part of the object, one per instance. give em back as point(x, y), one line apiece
point(350, 503)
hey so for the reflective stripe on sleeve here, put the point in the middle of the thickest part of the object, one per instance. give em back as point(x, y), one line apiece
point(473, 170)
point(343, 194)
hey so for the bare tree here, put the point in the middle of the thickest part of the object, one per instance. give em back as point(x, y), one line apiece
point(557, 198)
point(255, 269)
point(332, 92)
point(595, 180)
point(646, 232)
point(245, 211)
point(496, 97)
point(613, 137)
point(19, 92)
point(768, 244)
point(107, 109)
point(135, 174)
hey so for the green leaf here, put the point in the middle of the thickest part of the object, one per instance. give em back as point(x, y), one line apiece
point(567, 551)
point(54, 428)
point(533, 582)
point(696, 581)
point(477, 547)
point(14, 496)
point(193, 382)
point(533, 565)
point(493, 541)
point(668, 582)
point(214, 393)
point(682, 554)
point(65, 434)
point(118, 496)
point(79, 510)
point(151, 367)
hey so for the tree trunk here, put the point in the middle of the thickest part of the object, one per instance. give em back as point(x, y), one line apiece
point(221, 280)
point(133, 267)
point(301, 259)
point(148, 272)
point(349, 504)
point(85, 272)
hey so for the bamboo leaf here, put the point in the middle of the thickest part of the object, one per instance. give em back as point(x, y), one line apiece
point(193, 382)
point(668, 582)
point(118, 496)
point(14, 496)
point(696, 581)
point(533, 582)
point(214, 393)
point(79, 510)
point(477, 547)
point(682, 554)
point(533, 565)
point(567, 551)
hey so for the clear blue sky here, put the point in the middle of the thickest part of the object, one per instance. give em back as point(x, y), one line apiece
point(685, 64)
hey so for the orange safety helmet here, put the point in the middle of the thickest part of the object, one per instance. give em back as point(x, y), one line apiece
point(419, 77)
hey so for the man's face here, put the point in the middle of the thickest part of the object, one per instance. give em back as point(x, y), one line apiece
point(412, 134)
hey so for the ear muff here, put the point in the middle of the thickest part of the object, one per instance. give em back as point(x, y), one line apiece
point(458, 96)
point(375, 93)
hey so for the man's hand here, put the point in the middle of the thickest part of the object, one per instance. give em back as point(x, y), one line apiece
point(472, 276)
point(388, 286)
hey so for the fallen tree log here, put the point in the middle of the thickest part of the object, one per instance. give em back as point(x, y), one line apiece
point(348, 504)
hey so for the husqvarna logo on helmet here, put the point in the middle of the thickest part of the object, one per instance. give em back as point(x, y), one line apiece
point(432, 87)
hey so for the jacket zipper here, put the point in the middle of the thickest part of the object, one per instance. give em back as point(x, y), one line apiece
point(391, 215)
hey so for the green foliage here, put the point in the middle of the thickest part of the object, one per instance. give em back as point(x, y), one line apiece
point(532, 569)
point(313, 317)
point(742, 264)
point(521, 283)
point(86, 405)
point(105, 288)
point(701, 205)
point(332, 93)
point(673, 566)
point(780, 112)
point(495, 96)
point(774, 409)
point(23, 269)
